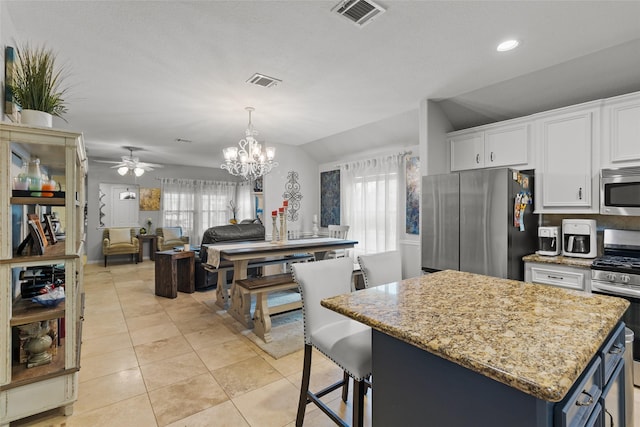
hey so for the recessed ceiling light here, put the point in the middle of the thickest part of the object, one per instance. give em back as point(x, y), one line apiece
point(508, 45)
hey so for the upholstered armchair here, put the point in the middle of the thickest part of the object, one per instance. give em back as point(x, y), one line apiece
point(120, 241)
point(169, 237)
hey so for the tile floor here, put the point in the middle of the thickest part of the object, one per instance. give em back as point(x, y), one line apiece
point(153, 361)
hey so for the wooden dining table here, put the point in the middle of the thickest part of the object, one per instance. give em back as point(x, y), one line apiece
point(241, 253)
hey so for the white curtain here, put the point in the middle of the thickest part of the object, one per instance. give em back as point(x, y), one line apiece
point(196, 205)
point(370, 203)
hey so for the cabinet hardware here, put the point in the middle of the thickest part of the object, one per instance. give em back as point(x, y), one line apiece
point(555, 277)
point(477, 158)
point(491, 157)
point(580, 193)
point(585, 402)
point(616, 349)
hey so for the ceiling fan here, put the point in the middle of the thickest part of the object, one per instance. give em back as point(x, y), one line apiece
point(131, 165)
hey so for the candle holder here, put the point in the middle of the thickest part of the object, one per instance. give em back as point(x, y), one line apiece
point(315, 228)
point(274, 231)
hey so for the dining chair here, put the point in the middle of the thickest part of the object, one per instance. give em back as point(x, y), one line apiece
point(338, 232)
point(344, 341)
point(381, 268)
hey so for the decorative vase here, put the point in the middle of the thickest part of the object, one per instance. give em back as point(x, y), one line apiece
point(36, 118)
point(315, 225)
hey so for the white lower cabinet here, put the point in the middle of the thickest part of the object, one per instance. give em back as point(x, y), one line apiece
point(577, 278)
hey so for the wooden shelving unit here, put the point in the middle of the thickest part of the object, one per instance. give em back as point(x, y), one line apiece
point(53, 384)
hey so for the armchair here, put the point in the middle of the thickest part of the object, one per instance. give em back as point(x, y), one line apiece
point(169, 237)
point(120, 241)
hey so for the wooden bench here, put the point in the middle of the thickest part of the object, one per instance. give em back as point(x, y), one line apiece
point(222, 287)
point(261, 287)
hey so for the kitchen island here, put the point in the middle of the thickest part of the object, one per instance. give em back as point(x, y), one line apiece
point(460, 349)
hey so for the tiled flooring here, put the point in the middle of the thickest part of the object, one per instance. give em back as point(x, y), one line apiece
point(153, 361)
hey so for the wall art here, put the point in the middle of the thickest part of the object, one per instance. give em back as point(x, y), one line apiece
point(413, 195)
point(293, 195)
point(149, 199)
point(329, 198)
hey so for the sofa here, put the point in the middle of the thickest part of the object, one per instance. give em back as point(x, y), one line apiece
point(247, 230)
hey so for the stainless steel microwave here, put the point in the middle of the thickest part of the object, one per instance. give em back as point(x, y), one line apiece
point(620, 191)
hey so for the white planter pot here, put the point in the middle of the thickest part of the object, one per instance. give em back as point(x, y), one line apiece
point(36, 118)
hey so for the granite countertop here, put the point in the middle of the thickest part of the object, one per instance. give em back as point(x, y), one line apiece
point(559, 259)
point(535, 338)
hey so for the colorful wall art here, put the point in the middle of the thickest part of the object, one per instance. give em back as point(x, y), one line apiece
point(413, 195)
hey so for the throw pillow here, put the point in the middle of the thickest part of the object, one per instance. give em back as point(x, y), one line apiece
point(119, 235)
point(171, 233)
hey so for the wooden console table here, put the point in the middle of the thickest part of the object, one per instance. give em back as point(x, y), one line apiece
point(175, 272)
point(151, 238)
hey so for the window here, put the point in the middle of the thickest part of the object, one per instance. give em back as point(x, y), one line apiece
point(197, 205)
point(370, 196)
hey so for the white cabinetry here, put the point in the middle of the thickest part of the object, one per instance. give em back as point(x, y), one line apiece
point(506, 144)
point(566, 178)
point(25, 390)
point(569, 277)
point(621, 131)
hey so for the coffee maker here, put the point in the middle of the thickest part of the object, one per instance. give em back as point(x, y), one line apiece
point(579, 238)
point(548, 241)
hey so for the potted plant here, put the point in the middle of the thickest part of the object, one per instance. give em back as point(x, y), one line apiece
point(37, 86)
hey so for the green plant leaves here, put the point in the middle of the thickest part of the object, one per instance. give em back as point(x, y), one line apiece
point(38, 84)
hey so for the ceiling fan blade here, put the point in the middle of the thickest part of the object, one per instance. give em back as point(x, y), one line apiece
point(107, 161)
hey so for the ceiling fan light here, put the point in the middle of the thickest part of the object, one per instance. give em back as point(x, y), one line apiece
point(138, 171)
point(122, 170)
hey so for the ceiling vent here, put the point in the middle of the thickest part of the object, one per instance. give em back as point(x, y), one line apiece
point(264, 81)
point(360, 12)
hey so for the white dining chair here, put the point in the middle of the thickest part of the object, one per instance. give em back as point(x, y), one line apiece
point(344, 341)
point(338, 232)
point(381, 268)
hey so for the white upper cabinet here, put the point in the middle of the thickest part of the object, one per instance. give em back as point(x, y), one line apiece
point(490, 146)
point(507, 145)
point(566, 179)
point(621, 131)
point(467, 151)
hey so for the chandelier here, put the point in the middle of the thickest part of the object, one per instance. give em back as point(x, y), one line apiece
point(249, 161)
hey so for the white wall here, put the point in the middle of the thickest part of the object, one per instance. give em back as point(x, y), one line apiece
point(292, 159)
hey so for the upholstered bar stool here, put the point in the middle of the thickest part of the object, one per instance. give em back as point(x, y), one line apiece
point(343, 340)
point(381, 268)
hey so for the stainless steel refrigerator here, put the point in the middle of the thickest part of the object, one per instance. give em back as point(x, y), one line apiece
point(468, 222)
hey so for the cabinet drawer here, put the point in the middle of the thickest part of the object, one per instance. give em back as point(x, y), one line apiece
point(577, 408)
point(565, 279)
point(612, 352)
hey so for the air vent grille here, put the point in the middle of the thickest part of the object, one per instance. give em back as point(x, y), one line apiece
point(360, 12)
point(264, 81)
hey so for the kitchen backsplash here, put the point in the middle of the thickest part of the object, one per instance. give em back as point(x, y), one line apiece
point(603, 221)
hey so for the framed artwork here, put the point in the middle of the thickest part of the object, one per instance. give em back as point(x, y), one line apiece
point(35, 220)
point(149, 199)
point(9, 76)
point(48, 227)
point(412, 217)
point(329, 198)
point(38, 242)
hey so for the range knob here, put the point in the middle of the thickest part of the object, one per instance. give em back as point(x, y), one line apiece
point(611, 277)
point(624, 278)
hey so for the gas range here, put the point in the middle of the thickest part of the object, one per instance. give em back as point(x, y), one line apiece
point(619, 268)
point(617, 273)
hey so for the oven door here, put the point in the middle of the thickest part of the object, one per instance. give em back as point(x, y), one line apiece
point(631, 317)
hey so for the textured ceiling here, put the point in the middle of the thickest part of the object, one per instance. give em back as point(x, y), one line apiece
point(144, 73)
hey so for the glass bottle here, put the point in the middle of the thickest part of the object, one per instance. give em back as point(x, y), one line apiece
point(35, 175)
